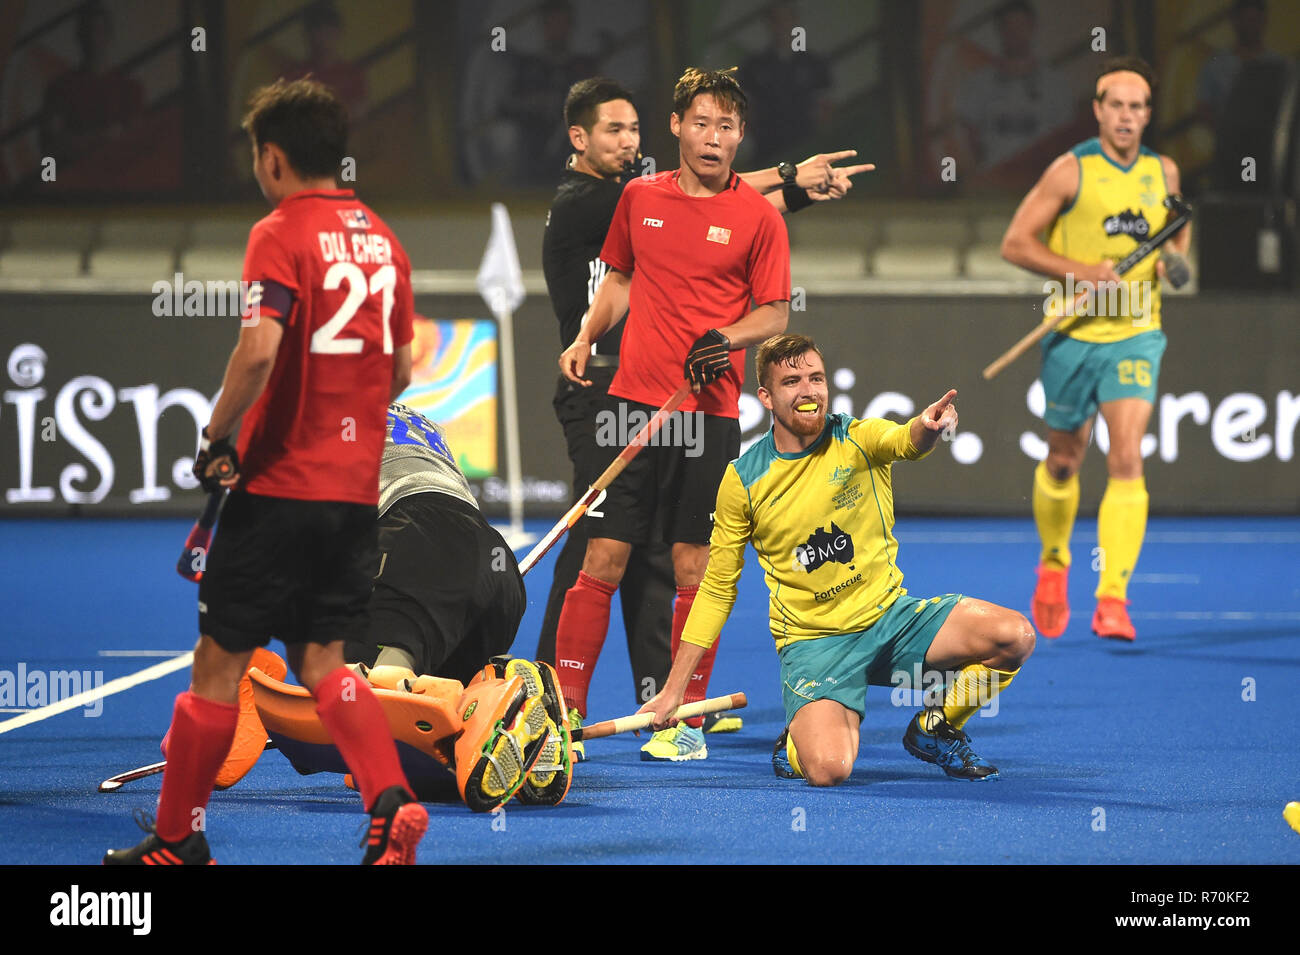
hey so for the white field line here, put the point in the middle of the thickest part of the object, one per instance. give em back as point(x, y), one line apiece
point(143, 653)
point(157, 671)
point(1152, 537)
point(1216, 614)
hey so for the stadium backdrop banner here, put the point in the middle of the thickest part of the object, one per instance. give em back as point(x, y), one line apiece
point(103, 399)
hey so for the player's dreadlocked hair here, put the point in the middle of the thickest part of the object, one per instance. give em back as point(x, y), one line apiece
point(305, 119)
point(585, 97)
point(1131, 64)
point(720, 84)
point(780, 349)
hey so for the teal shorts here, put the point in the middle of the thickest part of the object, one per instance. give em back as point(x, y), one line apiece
point(841, 667)
point(1078, 376)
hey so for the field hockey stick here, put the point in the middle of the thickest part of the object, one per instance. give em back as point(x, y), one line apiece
point(200, 537)
point(153, 769)
point(633, 448)
point(641, 721)
point(1180, 213)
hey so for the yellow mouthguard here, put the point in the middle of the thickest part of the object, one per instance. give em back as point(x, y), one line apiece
point(807, 406)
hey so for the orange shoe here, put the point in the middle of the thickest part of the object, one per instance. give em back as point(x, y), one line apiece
point(1111, 619)
point(1051, 605)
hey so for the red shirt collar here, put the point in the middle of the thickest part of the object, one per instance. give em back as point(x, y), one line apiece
point(732, 183)
point(320, 194)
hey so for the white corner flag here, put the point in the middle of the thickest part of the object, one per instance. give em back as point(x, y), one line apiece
point(500, 280)
point(501, 283)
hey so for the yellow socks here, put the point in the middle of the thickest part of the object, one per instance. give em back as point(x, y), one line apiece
point(1055, 505)
point(791, 755)
point(1121, 526)
point(975, 686)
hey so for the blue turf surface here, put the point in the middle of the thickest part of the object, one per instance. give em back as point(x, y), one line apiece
point(1155, 735)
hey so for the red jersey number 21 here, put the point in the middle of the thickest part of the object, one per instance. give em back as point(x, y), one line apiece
point(326, 338)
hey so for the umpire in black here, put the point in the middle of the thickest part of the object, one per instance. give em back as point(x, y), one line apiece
point(606, 137)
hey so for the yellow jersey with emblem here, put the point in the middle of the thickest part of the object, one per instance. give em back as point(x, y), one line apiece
point(821, 521)
point(1114, 210)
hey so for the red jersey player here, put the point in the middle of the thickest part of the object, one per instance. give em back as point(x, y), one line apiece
point(688, 251)
point(324, 346)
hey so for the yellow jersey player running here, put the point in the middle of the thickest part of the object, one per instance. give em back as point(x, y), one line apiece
point(814, 497)
point(1095, 203)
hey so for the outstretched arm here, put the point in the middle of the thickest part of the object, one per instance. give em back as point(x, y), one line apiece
point(933, 421)
point(817, 180)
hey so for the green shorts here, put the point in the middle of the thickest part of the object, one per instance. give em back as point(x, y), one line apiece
point(841, 667)
point(1078, 376)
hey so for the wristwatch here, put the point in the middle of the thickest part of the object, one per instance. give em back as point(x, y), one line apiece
point(788, 171)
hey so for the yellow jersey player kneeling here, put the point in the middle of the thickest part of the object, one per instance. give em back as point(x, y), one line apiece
point(814, 496)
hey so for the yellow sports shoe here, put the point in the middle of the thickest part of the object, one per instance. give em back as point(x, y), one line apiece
point(548, 782)
point(675, 744)
point(724, 722)
point(579, 748)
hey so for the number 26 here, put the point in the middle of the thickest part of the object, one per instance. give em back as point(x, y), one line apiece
point(1135, 372)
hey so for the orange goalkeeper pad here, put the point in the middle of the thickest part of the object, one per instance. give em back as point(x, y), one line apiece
point(250, 735)
point(422, 720)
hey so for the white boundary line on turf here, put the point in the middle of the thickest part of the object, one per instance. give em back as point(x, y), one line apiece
point(1152, 537)
point(108, 689)
point(143, 653)
point(1216, 614)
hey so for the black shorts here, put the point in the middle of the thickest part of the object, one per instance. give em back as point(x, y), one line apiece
point(668, 491)
point(300, 571)
point(448, 591)
point(576, 407)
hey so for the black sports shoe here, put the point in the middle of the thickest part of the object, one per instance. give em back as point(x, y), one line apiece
point(154, 850)
point(948, 748)
point(397, 824)
point(780, 760)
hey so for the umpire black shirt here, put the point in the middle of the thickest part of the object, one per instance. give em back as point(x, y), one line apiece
point(575, 231)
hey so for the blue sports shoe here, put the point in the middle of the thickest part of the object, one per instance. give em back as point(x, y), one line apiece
point(948, 748)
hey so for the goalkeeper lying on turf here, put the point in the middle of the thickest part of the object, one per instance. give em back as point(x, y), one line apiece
point(447, 597)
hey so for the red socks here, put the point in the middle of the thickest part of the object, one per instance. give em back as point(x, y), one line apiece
point(584, 621)
point(197, 744)
point(357, 724)
point(698, 688)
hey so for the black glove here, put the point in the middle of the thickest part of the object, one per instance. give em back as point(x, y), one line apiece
point(1176, 271)
point(708, 359)
point(221, 453)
